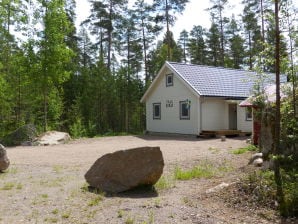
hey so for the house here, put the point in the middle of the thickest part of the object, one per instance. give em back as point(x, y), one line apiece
point(194, 99)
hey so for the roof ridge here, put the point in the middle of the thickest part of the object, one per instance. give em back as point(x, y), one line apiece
point(212, 66)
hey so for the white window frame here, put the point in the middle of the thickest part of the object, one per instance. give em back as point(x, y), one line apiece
point(248, 111)
point(172, 78)
point(154, 115)
point(180, 110)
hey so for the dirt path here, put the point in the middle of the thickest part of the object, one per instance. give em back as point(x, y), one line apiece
point(46, 184)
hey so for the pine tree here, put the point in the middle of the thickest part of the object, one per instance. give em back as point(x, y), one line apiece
point(236, 46)
point(183, 43)
point(217, 14)
point(149, 30)
point(104, 17)
point(252, 31)
point(168, 9)
point(213, 43)
point(197, 46)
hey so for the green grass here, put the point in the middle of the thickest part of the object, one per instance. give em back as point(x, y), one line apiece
point(200, 171)
point(203, 170)
point(248, 148)
point(8, 186)
point(164, 183)
point(95, 201)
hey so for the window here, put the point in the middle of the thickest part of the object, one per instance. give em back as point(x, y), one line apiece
point(185, 110)
point(248, 113)
point(156, 111)
point(169, 80)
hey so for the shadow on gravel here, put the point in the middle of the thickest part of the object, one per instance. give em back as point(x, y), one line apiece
point(138, 192)
point(187, 138)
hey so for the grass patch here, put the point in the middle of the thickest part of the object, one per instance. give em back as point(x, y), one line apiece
point(204, 170)
point(57, 168)
point(164, 183)
point(214, 150)
point(66, 215)
point(200, 171)
point(95, 201)
point(8, 186)
point(249, 148)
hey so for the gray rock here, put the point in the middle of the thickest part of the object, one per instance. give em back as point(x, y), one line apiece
point(258, 162)
point(254, 157)
point(26, 133)
point(126, 169)
point(4, 161)
point(218, 188)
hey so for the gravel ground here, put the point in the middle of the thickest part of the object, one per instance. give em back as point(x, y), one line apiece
point(45, 184)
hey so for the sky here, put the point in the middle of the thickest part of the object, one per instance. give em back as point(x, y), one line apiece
point(194, 14)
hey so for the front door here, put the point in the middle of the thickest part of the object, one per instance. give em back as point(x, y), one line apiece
point(233, 116)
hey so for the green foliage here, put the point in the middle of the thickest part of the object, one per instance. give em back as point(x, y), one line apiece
point(164, 183)
point(245, 149)
point(77, 129)
point(261, 185)
point(204, 170)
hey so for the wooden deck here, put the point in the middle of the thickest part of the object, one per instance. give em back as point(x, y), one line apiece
point(208, 133)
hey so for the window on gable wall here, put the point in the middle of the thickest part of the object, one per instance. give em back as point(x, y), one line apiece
point(248, 113)
point(156, 111)
point(184, 110)
point(169, 80)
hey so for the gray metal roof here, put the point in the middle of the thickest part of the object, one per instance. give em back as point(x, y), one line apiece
point(217, 81)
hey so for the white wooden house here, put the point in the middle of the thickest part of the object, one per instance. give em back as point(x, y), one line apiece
point(190, 99)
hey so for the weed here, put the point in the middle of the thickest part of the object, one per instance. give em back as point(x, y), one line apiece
point(120, 213)
point(55, 211)
point(57, 168)
point(13, 170)
point(95, 201)
point(129, 220)
point(51, 219)
point(201, 171)
point(214, 150)
point(164, 183)
point(8, 186)
point(66, 215)
point(249, 148)
point(157, 203)
point(151, 217)
point(204, 170)
point(44, 196)
point(19, 186)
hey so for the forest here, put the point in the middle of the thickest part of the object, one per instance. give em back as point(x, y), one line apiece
point(88, 80)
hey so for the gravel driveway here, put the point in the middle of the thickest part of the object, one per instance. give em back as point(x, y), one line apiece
point(45, 184)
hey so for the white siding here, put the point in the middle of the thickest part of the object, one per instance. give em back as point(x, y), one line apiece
point(170, 116)
point(214, 114)
point(242, 123)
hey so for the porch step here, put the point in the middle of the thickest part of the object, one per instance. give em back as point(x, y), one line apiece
point(209, 133)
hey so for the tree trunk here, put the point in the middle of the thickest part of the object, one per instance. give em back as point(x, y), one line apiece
point(168, 32)
point(277, 149)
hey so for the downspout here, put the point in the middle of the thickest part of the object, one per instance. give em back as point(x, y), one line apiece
point(201, 115)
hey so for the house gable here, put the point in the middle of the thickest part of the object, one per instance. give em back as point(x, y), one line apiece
point(170, 98)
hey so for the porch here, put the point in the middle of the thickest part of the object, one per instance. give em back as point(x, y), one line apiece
point(225, 132)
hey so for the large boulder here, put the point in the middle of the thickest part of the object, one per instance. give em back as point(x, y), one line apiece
point(52, 138)
point(126, 169)
point(26, 133)
point(4, 161)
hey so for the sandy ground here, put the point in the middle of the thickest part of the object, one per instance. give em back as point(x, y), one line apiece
point(45, 184)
